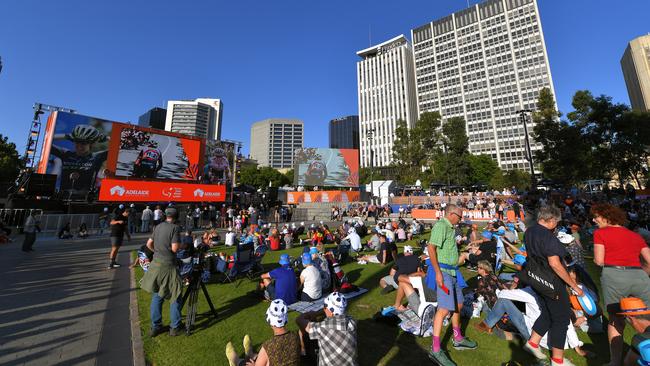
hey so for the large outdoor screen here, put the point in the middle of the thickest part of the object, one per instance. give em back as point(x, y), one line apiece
point(326, 167)
point(219, 157)
point(75, 149)
point(146, 153)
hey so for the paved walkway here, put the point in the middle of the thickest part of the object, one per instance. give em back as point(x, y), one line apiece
point(60, 305)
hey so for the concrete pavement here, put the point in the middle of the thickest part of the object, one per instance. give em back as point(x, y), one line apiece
point(60, 305)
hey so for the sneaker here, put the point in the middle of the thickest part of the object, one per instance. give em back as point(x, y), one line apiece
point(248, 350)
point(565, 362)
point(483, 327)
point(537, 352)
point(116, 265)
point(440, 358)
point(231, 355)
point(173, 332)
point(155, 331)
point(388, 289)
point(464, 344)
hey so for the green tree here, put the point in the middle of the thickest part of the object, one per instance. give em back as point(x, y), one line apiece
point(260, 177)
point(482, 169)
point(10, 161)
point(453, 163)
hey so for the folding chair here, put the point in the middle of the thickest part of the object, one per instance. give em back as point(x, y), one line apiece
point(221, 266)
point(418, 285)
point(243, 261)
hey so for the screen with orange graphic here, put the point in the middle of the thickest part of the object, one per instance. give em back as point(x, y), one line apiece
point(145, 153)
point(326, 167)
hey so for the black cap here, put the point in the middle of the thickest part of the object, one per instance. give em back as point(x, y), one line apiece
point(171, 212)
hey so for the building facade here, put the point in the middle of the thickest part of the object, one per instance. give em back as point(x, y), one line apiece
point(386, 92)
point(200, 117)
point(636, 71)
point(344, 133)
point(274, 140)
point(154, 118)
point(484, 64)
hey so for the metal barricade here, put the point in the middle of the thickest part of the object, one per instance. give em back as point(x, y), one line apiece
point(15, 217)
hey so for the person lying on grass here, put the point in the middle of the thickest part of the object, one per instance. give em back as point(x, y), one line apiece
point(336, 334)
point(281, 350)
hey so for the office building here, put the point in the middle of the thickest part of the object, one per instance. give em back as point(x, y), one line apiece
point(200, 117)
point(636, 71)
point(344, 133)
point(154, 118)
point(485, 63)
point(274, 140)
point(386, 92)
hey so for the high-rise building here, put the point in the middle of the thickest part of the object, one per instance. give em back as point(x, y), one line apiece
point(636, 71)
point(274, 140)
point(485, 63)
point(344, 133)
point(200, 117)
point(386, 91)
point(154, 118)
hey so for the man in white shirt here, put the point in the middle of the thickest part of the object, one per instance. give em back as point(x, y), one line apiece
point(157, 216)
point(354, 239)
point(230, 238)
point(310, 280)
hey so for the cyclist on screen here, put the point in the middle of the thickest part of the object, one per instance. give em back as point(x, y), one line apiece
point(148, 162)
point(79, 168)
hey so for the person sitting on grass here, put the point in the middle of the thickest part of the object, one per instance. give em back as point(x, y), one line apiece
point(637, 314)
point(336, 334)
point(387, 252)
point(404, 265)
point(486, 250)
point(281, 350)
point(143, 258)
point(488, 283)
point(373, 242)
point(280, 283)
point(406, 290)
point(322, 265)
point(401, 234)
point(310, 280)
point(83, 231)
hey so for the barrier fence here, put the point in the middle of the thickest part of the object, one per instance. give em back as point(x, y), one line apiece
point(473, 215)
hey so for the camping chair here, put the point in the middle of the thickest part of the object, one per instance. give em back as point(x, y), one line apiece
point(243, 261)
point(257, 266)
point(418, 285)
point(221, 266)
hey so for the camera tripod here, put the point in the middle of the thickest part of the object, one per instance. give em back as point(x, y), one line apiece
point(192, 294)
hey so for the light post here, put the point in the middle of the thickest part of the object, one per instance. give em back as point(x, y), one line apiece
point(523, 115)
point(369, 136)
point(444, 146)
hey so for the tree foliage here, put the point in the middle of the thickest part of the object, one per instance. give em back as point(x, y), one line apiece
point(10, 162)
point(260, 177)
point(415, 148)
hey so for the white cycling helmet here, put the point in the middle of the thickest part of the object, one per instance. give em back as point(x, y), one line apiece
point(85, 134)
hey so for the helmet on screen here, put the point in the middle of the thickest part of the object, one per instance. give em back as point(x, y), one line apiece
point(86, 134)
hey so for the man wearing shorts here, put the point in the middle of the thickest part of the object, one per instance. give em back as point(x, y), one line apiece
point(118, 229)
point(444, 256)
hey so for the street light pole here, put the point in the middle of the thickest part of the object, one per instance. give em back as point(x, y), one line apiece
point(523, 115)
point(370, 135)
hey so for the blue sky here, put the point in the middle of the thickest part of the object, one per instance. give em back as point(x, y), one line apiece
point(284, 58)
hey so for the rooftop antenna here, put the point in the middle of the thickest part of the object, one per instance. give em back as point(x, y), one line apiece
point(369, 35)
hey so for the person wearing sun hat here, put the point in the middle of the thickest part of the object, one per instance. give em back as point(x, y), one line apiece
point(281, 283)
point(282, 349)
point(310, 280)
point(336, 334)
point(637, 314)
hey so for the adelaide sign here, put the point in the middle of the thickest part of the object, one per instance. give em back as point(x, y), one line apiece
point(151, 191)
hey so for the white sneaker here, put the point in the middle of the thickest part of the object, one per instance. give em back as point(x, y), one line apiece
point(565, 362)
point(537, 352)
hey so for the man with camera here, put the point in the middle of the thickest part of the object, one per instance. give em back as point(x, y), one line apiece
point(162, 279)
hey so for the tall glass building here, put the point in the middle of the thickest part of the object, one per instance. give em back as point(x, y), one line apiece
point(344, 133)
point(485, 63)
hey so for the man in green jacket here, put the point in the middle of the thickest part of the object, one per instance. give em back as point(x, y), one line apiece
point(162, 279)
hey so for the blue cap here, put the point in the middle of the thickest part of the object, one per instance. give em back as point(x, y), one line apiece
point(487, 235)
point(501, 232)
point(306, 259)
point(284, 259)
point(313, 250)
point(510, 225)
point(519, 260)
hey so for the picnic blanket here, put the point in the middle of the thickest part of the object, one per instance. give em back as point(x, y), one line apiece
point(306, 306)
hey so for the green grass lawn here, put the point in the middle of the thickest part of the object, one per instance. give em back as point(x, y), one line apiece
point(242, 311)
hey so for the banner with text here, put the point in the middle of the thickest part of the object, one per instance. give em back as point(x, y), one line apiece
point(151, 191)
point(323, 196)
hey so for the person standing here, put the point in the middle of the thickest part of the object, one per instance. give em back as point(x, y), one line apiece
point(618, 250)
point(444, 256)
point(157, 216)
point(30, 228)
point(162, 279)
point(544, 247)
point(133, 219)
point(147, 214)
point(103, 221)
point(118, 229)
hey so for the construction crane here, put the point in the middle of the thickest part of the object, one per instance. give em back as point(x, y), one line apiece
point(31, 150)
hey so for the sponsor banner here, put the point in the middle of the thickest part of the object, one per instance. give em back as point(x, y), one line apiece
point(473, 215)
point(323, 196)
point(152, 191)
point(326, 167)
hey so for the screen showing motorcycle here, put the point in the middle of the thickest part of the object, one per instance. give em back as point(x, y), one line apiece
point(326, 167)
point(148, 154)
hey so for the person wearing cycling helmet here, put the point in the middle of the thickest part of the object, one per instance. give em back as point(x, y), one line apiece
point(148, 162)
point(316, 173)
point(79, 168)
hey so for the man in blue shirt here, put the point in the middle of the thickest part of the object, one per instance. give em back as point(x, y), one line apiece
point(281, 283)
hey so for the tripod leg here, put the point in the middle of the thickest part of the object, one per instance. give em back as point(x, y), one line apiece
point(185, 296)
point(207, 297)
